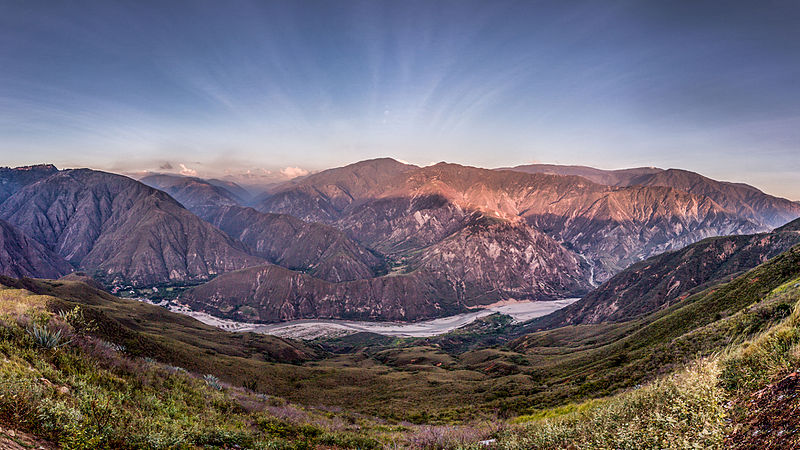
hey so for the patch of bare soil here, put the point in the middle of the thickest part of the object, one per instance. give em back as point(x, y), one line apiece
point(11, 439)
point(769, 418)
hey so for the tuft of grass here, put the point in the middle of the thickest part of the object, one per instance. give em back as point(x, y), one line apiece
point(684, 410)
point(768, 354)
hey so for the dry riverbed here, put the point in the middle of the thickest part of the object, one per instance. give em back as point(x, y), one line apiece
point(520, 311)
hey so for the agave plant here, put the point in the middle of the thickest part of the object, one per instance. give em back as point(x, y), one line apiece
point(47, 338)
point(213, 381)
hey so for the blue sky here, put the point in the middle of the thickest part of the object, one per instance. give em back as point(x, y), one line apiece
point(707, 86)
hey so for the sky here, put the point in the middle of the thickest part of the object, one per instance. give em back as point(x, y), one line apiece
point(285, 88)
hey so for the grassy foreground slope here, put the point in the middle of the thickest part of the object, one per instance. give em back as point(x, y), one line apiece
point(434, 381)
point(116, 372)
point(62, 385)
point(743, 397)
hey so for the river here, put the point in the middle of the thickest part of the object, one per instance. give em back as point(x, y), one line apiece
point(520, 311)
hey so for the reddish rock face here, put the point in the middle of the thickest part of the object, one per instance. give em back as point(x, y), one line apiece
point(611, 226)
point(387, 240)
point(746, 201)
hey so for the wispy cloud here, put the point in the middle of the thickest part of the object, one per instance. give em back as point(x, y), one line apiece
point(293, 172)
point(187, 171)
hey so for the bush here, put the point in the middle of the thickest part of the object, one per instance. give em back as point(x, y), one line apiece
point(78, 321)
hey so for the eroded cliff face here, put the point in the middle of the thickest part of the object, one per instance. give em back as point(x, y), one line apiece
point(122, 228)
point(672, 276)
point(611, 226)
point(492, 259)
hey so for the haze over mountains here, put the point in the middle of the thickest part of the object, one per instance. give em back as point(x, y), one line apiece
point(379, 239)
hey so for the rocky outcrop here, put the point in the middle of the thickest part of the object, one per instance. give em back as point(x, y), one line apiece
point(122, 229)
point(21, 256)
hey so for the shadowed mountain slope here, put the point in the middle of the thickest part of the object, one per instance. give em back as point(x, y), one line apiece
point(619, 177)
point(320, 250)
point(21, 256)
point(193, 192)
point(14, 179)
point(272, 293)
point(121, 228)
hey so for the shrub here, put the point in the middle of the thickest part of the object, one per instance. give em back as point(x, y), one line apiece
point(78, 321)
point(54, 416)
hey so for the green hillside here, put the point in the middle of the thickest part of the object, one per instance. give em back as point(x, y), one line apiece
point(84, 369)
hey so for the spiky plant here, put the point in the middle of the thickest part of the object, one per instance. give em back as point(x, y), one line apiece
point(47, 338)
point(213, 381)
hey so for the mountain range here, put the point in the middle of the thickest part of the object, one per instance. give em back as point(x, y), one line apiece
point(381, 239)
point(668, 278)
point(121, 229)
